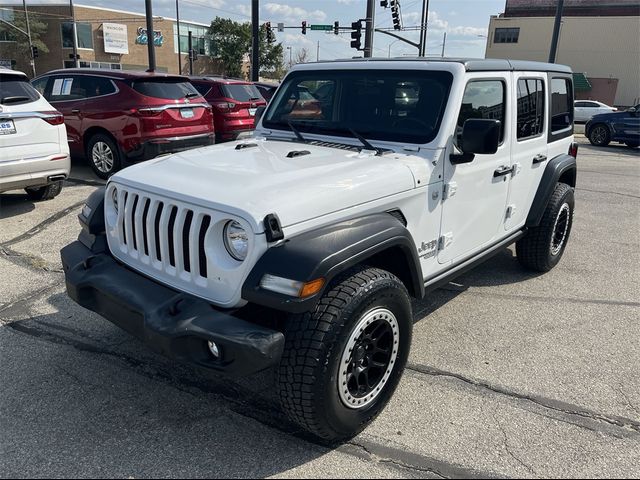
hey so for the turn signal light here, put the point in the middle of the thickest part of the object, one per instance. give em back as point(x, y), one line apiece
point(311, 288)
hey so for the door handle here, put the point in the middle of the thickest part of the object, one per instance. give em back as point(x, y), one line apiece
point(539, 158)
point(502, 171)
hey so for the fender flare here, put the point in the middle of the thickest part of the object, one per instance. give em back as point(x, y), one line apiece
point(562, 168)
point(328, 251)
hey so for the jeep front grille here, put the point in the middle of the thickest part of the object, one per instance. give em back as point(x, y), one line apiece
point(167, 235)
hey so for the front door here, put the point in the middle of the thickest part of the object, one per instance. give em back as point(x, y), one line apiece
point(627, 126)
point(476, 193)
point(528, 144)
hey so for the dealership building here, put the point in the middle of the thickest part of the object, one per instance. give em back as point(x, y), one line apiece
point(599, 39)
point(109, 39)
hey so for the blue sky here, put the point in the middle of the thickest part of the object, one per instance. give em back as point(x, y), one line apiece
point(465, 21)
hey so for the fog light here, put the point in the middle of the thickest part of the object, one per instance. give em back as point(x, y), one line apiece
point(213, 348)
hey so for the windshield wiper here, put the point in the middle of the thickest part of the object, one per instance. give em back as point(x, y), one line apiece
point(191, 95)
point(296, 132)
point(366, 143)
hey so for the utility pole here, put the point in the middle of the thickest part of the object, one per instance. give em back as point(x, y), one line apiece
point(178, 27)
point(151, 46)
point(33, 60)
point(369, 21)
point(190, 53)
point(318, 52)
point(422, 50)
point(444, 42)
point(255, 37)
point(556, 32)
point(76, 63)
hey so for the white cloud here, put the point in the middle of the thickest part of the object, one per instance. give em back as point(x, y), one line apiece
point(294, 15)
point(438, 24)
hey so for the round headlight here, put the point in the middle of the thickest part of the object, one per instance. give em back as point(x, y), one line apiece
point(236, 240)
point(114, 198)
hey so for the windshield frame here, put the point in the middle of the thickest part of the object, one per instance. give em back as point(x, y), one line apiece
point(342, 129)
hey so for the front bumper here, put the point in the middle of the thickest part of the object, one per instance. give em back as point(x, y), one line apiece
point(158, 146)
point(172, 323)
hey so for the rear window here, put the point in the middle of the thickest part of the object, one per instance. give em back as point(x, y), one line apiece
point(561, 104)
point(167, 89)
point(15, 90)
point(202, 89)
point(241, 93)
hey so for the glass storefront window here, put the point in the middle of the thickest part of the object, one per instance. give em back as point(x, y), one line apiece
point(85, 35)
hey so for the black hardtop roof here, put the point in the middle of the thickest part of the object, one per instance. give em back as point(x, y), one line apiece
point(475, 64)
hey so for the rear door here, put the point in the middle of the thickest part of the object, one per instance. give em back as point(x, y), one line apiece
point(529, 144)
point(24, 134)
point(627, 126)
point(67, 93)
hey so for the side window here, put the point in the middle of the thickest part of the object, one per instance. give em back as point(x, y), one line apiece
point(561, 104)
point(530, 108)
point(97, 86)
point(482, 99)
point(40, 85)
point(68, 88)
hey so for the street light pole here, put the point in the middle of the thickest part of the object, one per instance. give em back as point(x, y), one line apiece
point(33, 60)
point(178, 27)
point(151, 47)
point(422, 51)
point(76, 63)
point(255, 37)
point(556, 32)
point(369, 21)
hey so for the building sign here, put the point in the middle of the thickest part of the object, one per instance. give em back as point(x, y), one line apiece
point(142, 38)
point(115, 38)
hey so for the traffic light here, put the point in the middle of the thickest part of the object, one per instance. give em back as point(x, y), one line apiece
point(384, 3)
point(34, 51)
point(356, 35)
point(270, 36)
point(336, 28)
point(395, 14)
point(304, 27)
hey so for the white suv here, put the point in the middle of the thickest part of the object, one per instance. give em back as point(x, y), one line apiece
point(34, 153)
point(368, 183)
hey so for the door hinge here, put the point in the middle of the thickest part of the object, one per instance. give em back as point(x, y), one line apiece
point(517, 168)
point(449, 190)
point(445, 241)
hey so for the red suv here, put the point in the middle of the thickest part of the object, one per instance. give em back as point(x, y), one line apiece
point(234, 105)
point(115, 117)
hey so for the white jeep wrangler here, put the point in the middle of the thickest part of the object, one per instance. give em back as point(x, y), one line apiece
point(368, 182)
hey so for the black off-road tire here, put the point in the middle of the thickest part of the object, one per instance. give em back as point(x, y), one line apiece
point(315, 343)
point(110, 157)
point(542, 248)
point(44, 193)
point(599, 135)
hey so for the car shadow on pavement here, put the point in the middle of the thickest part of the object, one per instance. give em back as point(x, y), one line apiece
point(14, 204)
point(122, 409)
point(502, 269)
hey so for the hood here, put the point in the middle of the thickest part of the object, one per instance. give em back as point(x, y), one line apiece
point(266, 177)
point(609, 116)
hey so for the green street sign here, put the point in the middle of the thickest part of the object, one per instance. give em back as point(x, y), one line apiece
point(326, 28)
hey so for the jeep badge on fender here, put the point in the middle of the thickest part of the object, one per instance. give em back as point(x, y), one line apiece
point(367, 183)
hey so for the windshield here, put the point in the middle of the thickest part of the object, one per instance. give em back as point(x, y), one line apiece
point(241, 93)
point(167, 89)
point(394, 105)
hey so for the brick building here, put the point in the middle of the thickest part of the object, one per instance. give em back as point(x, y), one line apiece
point(106, 38)
point(599, 39)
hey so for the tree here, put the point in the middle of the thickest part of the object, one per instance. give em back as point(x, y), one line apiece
point(232, 44)
point(21, 45)
point(302, 56)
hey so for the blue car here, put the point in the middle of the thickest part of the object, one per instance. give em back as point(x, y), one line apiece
point(623, 127)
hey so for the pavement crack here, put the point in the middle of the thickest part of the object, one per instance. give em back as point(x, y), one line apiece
point(626, 424)
point(25, 301)
point(513, 296)
point(609, 192)
point(507, 448)
point(29, 261)
point(43, 225)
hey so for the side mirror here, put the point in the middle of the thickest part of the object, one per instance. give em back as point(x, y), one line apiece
point(633, 111)
point(259, 112)
point(479, 136)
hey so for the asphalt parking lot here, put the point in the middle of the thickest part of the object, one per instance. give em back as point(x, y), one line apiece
point(510, 374)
